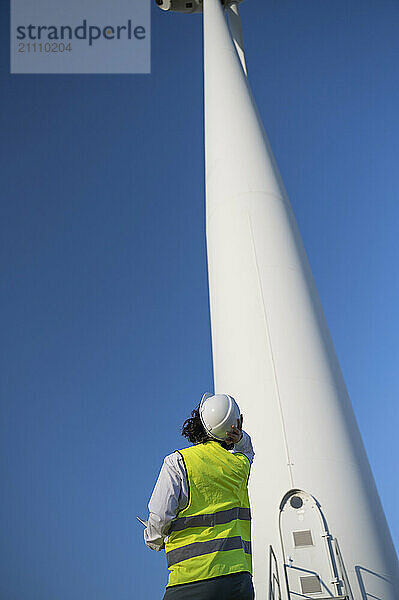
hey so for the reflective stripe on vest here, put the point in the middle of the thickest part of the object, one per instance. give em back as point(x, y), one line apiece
point(212, 535)
point(201, 548)
point(218, 518)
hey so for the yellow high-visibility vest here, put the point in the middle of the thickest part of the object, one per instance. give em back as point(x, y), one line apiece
point(212, 535)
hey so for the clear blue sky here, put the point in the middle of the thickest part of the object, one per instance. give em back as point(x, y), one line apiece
point(104, 313)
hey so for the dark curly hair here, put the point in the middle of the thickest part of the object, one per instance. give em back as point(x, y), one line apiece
point(193, 428)
point(195, 432)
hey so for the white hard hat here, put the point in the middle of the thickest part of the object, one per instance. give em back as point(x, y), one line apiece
point(218, 413)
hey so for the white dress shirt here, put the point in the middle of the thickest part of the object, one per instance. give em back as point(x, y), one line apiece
point(170, 494)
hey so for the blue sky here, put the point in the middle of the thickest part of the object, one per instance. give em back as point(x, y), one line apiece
point(104, 311)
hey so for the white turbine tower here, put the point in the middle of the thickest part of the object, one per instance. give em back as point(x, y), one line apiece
point(319, 530)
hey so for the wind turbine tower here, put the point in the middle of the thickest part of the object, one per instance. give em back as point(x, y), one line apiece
point(319, 530)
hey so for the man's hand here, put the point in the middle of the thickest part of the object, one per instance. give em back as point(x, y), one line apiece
point(235, 434)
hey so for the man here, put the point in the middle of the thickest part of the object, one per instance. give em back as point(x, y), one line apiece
point(199, 509)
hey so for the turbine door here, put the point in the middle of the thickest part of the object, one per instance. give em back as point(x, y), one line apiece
point(309, 563)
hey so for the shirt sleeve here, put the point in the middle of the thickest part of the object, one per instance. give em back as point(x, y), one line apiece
point(170, 495)
point(244, 446)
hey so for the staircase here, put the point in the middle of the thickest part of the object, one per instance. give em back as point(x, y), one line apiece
point(342, 581)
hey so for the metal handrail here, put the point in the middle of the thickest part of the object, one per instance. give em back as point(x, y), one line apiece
point(274, 580)
point(273, 576)
point(343, 573)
